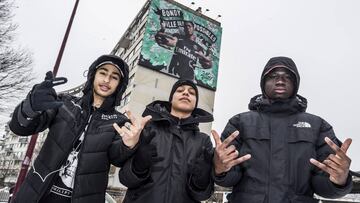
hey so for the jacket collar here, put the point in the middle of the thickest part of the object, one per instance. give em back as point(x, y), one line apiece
point(160, 111)
point(288, 106)
point(106, 106)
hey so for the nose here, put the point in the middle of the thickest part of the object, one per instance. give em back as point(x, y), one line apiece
point(186, 92)
point(107, 78)
point(280, 81)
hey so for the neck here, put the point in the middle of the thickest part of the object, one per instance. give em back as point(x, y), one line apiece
point(180, 114)
point(98, 100)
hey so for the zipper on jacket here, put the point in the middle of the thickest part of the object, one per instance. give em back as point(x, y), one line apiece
point(270, 161)
point(171, 165)
point(81, 149)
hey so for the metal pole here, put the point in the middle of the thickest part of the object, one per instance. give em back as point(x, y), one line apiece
point(29, 152)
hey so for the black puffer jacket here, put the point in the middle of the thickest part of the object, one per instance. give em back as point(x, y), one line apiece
point(178, 142)
point(101, 146)
point(281, 138)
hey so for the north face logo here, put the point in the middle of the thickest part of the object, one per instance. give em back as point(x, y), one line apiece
point(302, 125)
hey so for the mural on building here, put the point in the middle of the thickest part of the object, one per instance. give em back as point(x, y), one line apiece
point(182, 44)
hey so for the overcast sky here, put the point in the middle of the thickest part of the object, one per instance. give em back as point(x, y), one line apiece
point(321, 36)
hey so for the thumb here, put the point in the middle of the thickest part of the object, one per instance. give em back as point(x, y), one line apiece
point(49, 75)
point(145, 120)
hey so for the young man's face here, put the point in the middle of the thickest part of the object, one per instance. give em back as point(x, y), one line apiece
point(184, 99)
point(189, 29)
point(278, 84)
point(107, 78)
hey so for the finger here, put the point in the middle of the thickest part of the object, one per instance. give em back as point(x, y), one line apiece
point(345, 146)
point(334, 147)
point(49, 75)
point(118, 129)
point(126, 131)
point(229, 150)
point(232, 137)
point(333, 165)
point(144, 121)
point(216, 138)
point(321, 166)
point(231, 157)
point(240, 160)
point(131, 117)
point(59, 81)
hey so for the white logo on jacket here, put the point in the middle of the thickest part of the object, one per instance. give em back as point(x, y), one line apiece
point(109, 117)
point(302, 125)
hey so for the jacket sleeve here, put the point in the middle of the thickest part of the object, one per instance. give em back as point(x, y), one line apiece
point(194, 191)
point(25, 121)
point(233, 176)
point(128, 178)
point(320, 180)
point(119, 152)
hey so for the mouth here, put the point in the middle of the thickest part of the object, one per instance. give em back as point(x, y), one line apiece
point(280, 91)
point(185, 99)
point(104, 88)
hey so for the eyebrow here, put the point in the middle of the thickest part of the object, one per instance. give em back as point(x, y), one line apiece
point(116, 73)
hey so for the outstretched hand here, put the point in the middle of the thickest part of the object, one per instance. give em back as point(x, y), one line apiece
point(130, 132)
point(43, 95)
point(226, 156)
point(336, 165)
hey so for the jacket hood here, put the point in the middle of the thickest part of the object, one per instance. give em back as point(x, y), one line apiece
point(120, 64)
point(281, 62)
point(160, 111)
point(291, 105)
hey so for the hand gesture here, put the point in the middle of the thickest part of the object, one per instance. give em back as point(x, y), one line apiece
point(43, 95)
point(130, 132)
point(336, 165)
point(226, 156)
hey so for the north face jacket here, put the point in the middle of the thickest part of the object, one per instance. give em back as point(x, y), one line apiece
point(178, 142)
point(281, 138)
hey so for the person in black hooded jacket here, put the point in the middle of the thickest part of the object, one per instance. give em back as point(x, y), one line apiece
point(75, 158)
point(174, 160)
point(278, 153)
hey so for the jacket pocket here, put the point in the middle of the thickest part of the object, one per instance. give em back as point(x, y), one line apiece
point(301, 135)
point(301, 147)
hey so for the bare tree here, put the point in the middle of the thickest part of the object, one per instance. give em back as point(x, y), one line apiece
point(15, 69)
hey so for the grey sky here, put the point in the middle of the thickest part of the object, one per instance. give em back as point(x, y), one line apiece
point(321, 36)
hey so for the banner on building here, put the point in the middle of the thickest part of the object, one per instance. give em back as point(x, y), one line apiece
point(182, 44)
